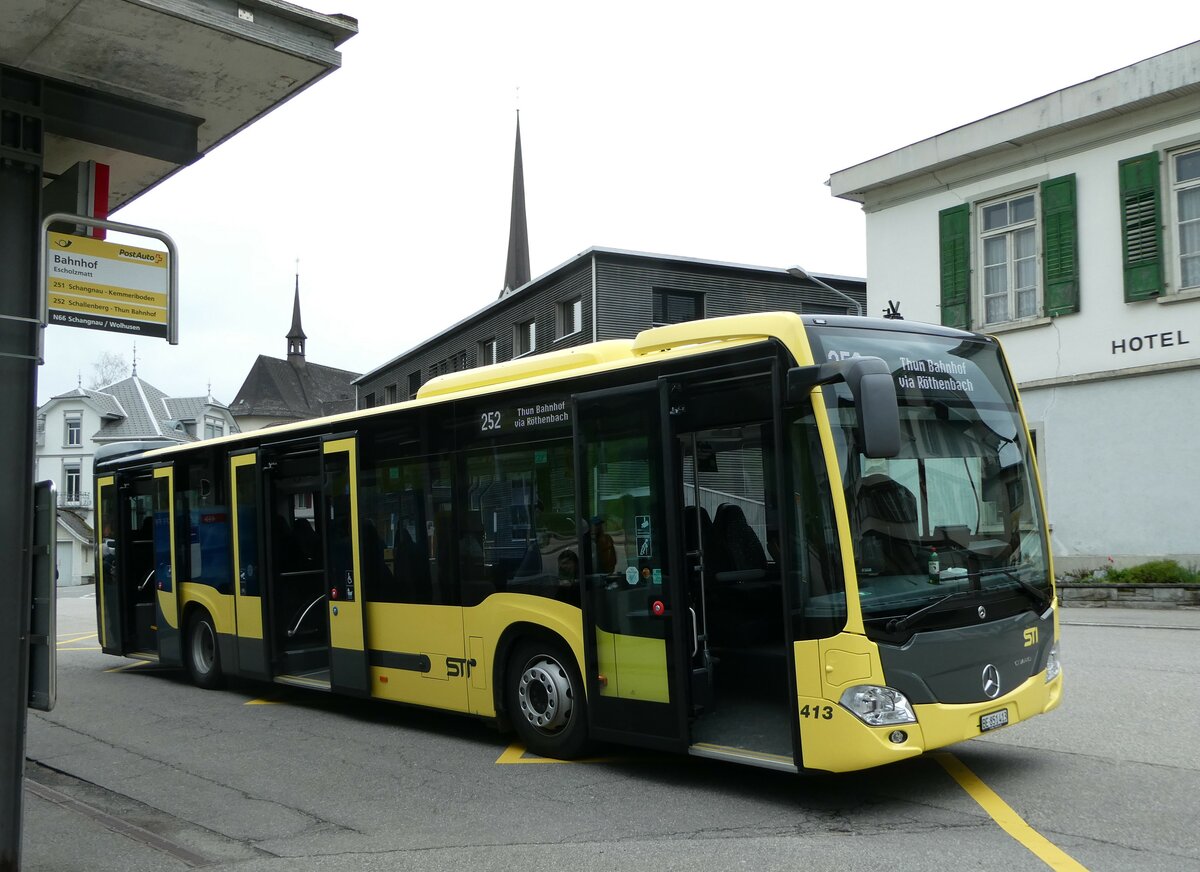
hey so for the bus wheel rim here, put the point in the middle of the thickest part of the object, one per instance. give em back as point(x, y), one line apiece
point(203, 647)
point(544, 694)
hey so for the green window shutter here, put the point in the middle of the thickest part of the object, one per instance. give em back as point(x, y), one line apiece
point(1060, 246)
point(954, 239)
point(1141, 227)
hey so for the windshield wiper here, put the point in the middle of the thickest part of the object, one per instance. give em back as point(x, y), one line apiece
point(1039, 596)
point(899, 625)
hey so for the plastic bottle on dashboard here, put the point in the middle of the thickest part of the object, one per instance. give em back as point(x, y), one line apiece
point(934, 568)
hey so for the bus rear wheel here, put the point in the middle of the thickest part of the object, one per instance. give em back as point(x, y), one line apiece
point(546, 702)
point(201, 651)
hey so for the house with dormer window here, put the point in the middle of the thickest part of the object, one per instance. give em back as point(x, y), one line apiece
point(72, 425)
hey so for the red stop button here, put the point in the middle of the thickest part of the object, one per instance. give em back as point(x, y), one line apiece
point(658, 608)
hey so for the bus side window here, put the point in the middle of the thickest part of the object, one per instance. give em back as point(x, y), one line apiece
point(406, 534)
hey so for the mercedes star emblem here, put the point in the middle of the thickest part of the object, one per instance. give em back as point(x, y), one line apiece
point(982, 613)
point(991, 681)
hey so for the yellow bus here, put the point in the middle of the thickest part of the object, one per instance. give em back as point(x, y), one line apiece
point(795, 542)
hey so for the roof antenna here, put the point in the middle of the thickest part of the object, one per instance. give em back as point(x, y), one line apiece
point(892, 312)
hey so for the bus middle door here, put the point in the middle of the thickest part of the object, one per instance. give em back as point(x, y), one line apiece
point(637, 627)
point(349, 669)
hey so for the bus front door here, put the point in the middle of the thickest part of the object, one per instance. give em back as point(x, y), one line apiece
point(638, 628)
point(723, 468)
point(254, 655)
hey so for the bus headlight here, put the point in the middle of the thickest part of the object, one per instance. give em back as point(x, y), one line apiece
point(1053, 665)
point(878, 706)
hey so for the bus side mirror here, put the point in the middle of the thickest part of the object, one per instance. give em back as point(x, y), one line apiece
point(874, 391)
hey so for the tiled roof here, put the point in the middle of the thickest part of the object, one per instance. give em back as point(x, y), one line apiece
point(277, 388)
point(75, 524)
point(185, 408)
point(106, 405)
point(145, 413)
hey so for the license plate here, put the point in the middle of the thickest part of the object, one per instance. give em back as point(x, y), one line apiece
point(992, 720)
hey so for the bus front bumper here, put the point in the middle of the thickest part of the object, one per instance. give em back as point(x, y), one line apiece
point(837, 741)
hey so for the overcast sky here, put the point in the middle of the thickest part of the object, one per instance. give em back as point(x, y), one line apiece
point(697, 129)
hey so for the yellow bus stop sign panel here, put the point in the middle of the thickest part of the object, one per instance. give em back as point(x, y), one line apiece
point(109, 286)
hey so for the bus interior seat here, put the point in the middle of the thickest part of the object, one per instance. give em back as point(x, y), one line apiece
point(745, 557)
point(887, 517)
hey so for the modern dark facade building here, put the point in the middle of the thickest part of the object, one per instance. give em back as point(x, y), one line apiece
point(603, 293)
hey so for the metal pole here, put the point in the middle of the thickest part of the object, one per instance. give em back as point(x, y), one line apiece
point(20, 203)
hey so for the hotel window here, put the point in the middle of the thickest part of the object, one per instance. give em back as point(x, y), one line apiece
point(525, 337)
point(1026, 257)
point(1185, 199)
point(1008, 259)
point(570, 317)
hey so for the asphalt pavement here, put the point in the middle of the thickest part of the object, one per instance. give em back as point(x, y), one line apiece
point(70, 825)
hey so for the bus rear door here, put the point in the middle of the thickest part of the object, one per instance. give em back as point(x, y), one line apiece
point(245, 488)
point(167, 624)
point(108, 592)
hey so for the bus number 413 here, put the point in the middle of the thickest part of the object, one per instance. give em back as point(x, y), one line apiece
point(817, 712)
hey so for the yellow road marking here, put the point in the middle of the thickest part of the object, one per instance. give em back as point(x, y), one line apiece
point(265, 701)
point(516, 753)
point(88, 648)
point(127, 666)
point(1002, 813)
point(77, 639)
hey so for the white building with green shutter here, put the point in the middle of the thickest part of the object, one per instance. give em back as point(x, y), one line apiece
point(1069, 227)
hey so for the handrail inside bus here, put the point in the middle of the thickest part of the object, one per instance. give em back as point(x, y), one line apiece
point(296, 629)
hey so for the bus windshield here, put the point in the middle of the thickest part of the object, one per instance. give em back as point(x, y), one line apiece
point(951, 528)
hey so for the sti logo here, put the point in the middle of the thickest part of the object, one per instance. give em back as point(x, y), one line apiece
point(1031, 637)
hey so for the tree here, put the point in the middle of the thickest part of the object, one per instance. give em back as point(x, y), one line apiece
point(109, 367)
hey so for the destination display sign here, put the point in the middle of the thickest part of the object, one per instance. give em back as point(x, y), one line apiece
point(107, 286)
point(534, 415)
point(924, 366)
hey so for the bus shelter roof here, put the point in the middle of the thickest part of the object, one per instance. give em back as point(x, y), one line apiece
point(148, 87)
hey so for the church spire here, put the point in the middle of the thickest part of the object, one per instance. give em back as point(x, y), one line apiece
point(516, 273)
point(295, 336)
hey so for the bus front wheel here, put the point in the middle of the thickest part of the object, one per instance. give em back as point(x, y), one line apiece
point(202, 653)
point(546, 703)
